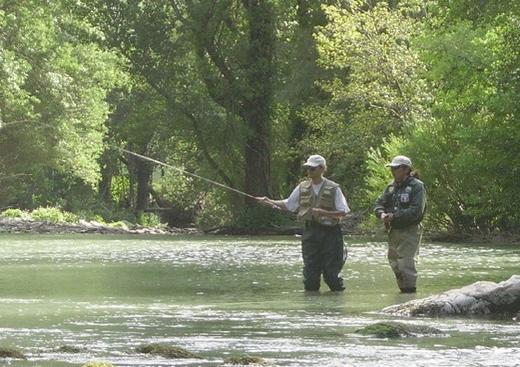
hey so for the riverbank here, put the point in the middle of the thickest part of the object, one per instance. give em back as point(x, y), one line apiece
point(19, 225)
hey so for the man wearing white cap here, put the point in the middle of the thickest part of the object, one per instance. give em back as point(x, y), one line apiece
point(401, 208)
point(321, 205)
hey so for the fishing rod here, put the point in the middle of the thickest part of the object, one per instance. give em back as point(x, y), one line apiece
point(187, 173)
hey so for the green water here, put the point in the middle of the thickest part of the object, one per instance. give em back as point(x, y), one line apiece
point(218, 296)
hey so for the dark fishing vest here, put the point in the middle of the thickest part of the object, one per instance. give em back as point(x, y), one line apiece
point(324, 200)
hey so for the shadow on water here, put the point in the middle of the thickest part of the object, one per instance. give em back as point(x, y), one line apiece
point(220, 296)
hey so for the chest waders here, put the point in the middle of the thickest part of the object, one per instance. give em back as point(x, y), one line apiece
point(323, 249)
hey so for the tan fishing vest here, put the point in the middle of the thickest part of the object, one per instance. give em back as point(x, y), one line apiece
point(324, 200)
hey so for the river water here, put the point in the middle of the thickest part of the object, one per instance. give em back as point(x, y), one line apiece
point(224, 296)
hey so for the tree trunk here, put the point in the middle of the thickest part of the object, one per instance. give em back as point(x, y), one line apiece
point(259, 95)
point(108, 164)
point(305, 73)
point(143, 173)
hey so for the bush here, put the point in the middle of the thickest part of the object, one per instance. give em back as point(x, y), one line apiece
point(13, 213)
point(215, 211)
point(54, 215)
point(149, 220)
point(119, 224)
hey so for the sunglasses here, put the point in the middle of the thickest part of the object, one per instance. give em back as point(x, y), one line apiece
point(396, 168)
point(313, 168)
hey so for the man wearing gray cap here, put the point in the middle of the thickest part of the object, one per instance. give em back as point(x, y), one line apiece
point(321, 205)
point(401, 208)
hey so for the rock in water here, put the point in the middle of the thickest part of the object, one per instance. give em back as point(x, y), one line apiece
point(392, 329)
point(480, 298)
point(69, 349)
point(245, 361)
point(11, 353)
point(166, 351)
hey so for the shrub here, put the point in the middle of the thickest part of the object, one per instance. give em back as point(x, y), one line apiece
point(13, 213)
point(54, 215)
point(119, 224)
point(149, 220)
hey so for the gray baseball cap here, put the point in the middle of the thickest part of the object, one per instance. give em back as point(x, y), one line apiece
point(400, 160)
point(315, 161)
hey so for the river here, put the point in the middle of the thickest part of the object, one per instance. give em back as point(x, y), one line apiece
point(222, 296)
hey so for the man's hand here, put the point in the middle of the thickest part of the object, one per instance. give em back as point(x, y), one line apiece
point(264, 200)
point(387, 217)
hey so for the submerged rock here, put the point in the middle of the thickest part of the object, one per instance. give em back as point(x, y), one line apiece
point(69, 349)
point(245, 360)
point(11, 353)
point(480, 298)
point(392, 329)
point(98, 364)
point(166, 351)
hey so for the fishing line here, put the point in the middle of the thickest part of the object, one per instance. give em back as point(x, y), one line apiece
point(187, 173)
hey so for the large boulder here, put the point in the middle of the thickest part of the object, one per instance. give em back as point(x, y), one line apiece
point(480, 298)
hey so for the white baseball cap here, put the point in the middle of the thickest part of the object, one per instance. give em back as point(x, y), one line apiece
point(315, 161)
point(400, 160)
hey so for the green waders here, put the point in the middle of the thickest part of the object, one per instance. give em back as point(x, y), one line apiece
point(324, 253)
point(403, 249)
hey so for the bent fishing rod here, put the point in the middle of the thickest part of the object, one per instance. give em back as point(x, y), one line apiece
point(143, 157)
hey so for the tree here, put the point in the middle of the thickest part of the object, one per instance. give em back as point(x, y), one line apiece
point(52, 96)
point(376, 85)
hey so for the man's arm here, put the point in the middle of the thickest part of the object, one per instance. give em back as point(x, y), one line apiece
point(292, 203)
point(381, 204)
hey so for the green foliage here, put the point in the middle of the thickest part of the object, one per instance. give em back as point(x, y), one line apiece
point(380, 176)
point(149, 220)
point(376, 88)
point(53, 215)
point(120, 188)
point(119, 224)
point(53, 89)
point(215, 210)
point(473, 136)
point(466, 142)
point(13, 213)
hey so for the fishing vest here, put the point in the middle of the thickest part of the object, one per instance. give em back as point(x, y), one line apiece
point(324, 200)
